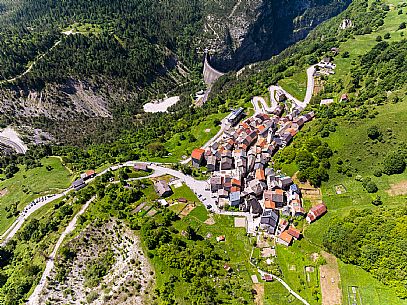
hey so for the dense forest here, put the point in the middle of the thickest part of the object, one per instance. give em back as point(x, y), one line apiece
point(131, 32)
point(374, 240)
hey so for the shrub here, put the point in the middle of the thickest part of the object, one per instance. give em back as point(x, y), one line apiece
point(373, 132)
point(387, 36)
point(378, 173)
point(394, 164)
point(371, 187)
point(379, 38)
point(402, 26)
point(377, 201)
point(345, 54)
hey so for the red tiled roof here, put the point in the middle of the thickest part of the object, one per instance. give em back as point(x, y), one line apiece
point(260, 174)
point(245, 125)
point(197, 153)
point(90, 172)
point(236, 182)
point(268, 204)
point(286, 237)
point(294, 232)
point(318, 210)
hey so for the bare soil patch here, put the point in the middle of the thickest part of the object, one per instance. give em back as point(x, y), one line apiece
point(398, 189)
point(188, 209)
point(340, 189)
point(308, 191)
point(258, 300)
point(330, 281)
point(3, 192)
point(210, 221)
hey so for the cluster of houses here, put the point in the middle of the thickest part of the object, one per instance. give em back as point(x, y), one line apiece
point(241, 176)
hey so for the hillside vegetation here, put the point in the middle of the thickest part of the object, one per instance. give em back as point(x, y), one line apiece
point(374, 240)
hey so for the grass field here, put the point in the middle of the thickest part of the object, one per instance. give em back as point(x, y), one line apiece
point(276, 294)
point(295, 84)
point(293, 260)
point(353, 147)
point(361, 44)
point(371, 290)
point(203, 132)
point(28, 185)
point(84, 28)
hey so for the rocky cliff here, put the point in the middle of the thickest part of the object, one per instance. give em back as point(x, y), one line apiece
point(244, 31)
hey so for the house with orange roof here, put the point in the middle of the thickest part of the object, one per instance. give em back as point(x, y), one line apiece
point(236, 182)
point(295, 233)
point(285, 239)
point(197, 157)
point(260, 174)
point(269, 204)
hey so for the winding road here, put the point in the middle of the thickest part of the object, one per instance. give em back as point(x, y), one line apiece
point(301, 105)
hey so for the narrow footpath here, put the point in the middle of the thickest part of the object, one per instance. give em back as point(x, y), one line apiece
point(34, 298)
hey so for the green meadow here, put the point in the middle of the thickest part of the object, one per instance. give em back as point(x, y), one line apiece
point(26, 185)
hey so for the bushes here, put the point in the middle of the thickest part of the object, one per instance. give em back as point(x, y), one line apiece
point(98, 268)
point(370, 187)
point(394, 163)
point(374, 240)
point(373, 132)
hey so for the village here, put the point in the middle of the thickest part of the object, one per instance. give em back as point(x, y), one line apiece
point(242, 179)
point(242, 175)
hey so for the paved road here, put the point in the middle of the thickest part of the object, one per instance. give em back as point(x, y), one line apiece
point(17, 147)
point(9, 234)
point(200, 188)
point(31, 208)
point(260, 105)
point(264, 108)
point(34, 298)
point(310, 85)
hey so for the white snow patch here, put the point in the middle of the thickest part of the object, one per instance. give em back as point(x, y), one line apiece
point(161, 105)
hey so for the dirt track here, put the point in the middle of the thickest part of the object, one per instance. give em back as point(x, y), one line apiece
point(330, 281)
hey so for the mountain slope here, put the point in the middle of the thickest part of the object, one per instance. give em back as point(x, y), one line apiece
point(112, 56)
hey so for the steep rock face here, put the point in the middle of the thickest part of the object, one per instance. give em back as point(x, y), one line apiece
point(245, 31)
